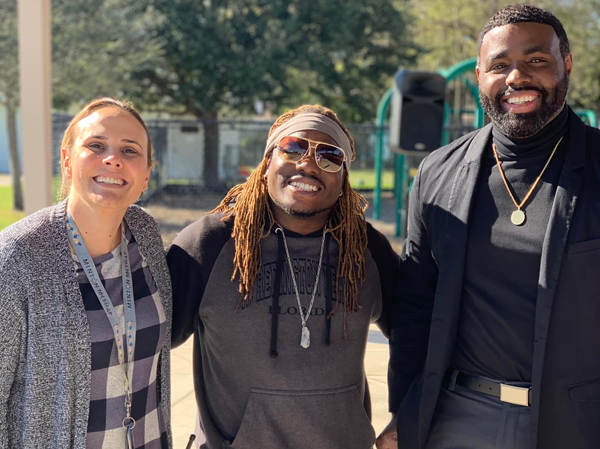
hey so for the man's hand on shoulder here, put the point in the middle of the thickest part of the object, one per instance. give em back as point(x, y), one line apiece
point(389, 436)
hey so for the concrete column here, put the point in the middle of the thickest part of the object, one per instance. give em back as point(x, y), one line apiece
point(35, 65)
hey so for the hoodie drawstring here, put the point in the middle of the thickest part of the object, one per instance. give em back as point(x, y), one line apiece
point(328, 291)
point(277, 288)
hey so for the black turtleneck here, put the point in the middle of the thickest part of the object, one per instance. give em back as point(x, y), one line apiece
point(497, 319)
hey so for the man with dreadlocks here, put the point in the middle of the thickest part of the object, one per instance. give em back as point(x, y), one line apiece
point(279, 285)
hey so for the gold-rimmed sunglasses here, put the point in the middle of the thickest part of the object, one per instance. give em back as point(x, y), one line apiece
point(329, 158)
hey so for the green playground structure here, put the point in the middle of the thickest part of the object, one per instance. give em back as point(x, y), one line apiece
point(462, 114)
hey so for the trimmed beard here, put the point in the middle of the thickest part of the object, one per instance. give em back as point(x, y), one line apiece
point(521, 126)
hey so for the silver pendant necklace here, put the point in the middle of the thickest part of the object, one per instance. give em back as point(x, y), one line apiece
point(305, 338)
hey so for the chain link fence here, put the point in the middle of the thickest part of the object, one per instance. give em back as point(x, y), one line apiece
point(179, 152)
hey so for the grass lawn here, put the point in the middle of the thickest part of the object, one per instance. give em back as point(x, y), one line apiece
point(7, 215)
point(365, 179)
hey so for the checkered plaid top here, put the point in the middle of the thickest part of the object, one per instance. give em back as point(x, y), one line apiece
point(107, 409)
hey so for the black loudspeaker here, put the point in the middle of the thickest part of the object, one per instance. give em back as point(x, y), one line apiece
point(417, 117)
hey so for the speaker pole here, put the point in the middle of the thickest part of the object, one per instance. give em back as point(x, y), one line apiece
point(399, 194)
point(382, 109)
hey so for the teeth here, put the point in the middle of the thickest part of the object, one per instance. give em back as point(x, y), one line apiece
point(521, 100)
point(305, 187)
point(106, 180)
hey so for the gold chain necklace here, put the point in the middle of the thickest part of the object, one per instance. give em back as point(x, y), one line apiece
point(518, 216)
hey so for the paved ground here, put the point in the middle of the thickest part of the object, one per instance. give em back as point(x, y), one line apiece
point(173, 214)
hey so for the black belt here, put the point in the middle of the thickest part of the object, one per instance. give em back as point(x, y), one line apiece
point(506, 393)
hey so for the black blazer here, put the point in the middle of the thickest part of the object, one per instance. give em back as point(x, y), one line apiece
point(566, 360)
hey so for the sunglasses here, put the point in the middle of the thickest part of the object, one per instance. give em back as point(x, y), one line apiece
point(329, 158)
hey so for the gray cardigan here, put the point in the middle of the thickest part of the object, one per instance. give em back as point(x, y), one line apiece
point(45, 349)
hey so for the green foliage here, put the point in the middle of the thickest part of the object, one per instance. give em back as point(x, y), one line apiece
point(365, 179)
point(96, 45)
point(225, 55)
point(344, 54)
point(9, 49)
point(211, 57)
point(217, 54)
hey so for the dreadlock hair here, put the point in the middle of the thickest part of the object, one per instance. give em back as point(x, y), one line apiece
point(249, 204)
point(527, 13)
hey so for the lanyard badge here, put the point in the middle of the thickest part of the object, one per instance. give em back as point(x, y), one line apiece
point(129, 331)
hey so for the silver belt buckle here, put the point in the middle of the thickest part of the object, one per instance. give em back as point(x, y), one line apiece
point(514, 395)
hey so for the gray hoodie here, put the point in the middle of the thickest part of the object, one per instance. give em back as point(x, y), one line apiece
point(256, 387)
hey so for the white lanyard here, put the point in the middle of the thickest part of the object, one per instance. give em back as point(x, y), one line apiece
point(90, 271)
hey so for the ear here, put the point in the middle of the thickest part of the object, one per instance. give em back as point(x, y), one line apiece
point(269, 160)
point(344, 179)
point(569, 64)
point(477, 72)
point(147, 179)
point(66, 163)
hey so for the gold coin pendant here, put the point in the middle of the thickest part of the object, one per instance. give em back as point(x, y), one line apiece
point(518, 217)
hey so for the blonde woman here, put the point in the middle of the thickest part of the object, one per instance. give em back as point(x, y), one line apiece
point(85, 300)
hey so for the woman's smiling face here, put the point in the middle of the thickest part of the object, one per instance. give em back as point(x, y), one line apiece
point(108, 162)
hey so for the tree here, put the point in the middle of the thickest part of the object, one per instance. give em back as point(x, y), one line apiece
point(344, 54)
point(96, 46)
point(225, 55)
point(9, 90)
